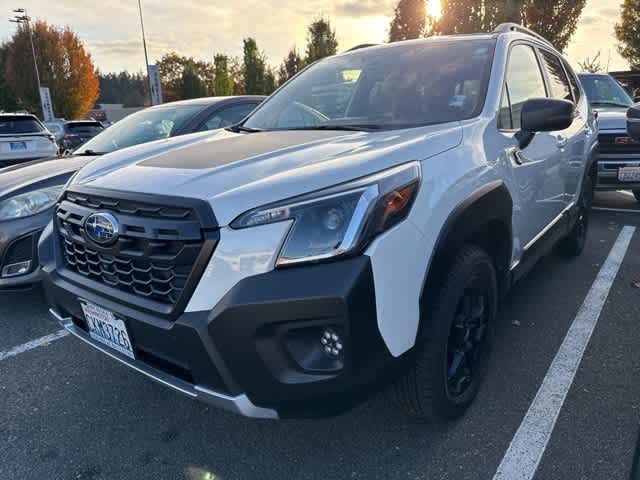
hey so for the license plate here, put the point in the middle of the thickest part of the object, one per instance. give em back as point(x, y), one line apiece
point(105, 328)
point(629, 174)
point(18, 146)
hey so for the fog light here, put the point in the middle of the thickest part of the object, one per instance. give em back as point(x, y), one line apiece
point(331, 343)
point(16, 269)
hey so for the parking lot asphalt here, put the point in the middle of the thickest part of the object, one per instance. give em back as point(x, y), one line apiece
point(69, 412)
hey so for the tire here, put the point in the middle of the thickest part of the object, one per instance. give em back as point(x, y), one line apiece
point(636, 193)
point(573, 244)
point(429, 390)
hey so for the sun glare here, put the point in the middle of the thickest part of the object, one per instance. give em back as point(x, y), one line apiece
point(433, 8)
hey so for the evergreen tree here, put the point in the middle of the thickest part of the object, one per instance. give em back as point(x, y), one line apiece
point(321, 40)
point(409, 20)
point(291, 65)
point(191, 86)
point(254, 68)
point(223, 82)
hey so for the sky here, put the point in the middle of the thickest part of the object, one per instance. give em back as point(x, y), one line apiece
point(111, 28)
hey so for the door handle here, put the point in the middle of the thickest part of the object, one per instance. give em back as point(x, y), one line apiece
point(562, 141)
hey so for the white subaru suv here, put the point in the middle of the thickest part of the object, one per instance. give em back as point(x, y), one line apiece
point(355, 232)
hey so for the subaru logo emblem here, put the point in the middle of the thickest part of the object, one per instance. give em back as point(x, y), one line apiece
point(102, 228)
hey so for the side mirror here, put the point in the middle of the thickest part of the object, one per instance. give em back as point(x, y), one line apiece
point(633, 121)
point(543, 115)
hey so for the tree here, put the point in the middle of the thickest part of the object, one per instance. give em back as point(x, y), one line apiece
point(254, 68)
point(628, 33)
point(321, 40)
point(223, 83)
point(591, 65)
point(409, 20)
point(191, 86)
point(556, 21)
point(290, 66)
point(123, 87)
point(65, 67)
point(8, 100)
point(269, 82)
point(172, 67)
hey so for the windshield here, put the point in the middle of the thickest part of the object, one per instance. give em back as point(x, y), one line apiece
point(17, 125)
point(603, 90)
point(142, 127)
point(399, 86)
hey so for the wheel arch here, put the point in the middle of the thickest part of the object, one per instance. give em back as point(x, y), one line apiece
point(483, 219)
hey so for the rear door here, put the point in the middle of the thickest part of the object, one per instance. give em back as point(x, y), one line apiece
point(571, 141)
point(537, 167)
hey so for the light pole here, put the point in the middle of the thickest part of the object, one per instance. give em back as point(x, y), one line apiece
point(144, 44)
point(22, 18)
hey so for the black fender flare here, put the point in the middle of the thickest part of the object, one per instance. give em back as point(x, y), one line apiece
point(492, 204)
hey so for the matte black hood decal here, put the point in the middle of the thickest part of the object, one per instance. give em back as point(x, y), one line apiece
point(240, 147)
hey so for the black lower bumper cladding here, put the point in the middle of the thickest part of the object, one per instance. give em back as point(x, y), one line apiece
point(263, 340)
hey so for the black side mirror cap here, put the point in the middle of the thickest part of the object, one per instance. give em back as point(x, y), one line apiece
point(543, 115)
point(546, 115)
point(633, 121)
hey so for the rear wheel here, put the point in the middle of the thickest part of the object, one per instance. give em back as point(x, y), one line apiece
point(637, 194)
point(573, 245)
point(457, 337)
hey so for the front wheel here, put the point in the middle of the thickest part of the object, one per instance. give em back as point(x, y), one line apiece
point(457, 337)
point(636, 193)
point(573, 244)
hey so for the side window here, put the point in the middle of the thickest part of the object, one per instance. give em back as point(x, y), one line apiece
point(524, 81)
point(559, 82)
point(227, 116)
point(573, 81)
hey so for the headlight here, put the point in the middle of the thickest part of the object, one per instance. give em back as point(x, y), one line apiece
point(343, 219)
point(29, 203)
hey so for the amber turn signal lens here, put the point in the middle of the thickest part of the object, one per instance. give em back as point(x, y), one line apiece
point(398, 200)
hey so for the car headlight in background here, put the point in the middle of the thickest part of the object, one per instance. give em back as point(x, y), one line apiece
point(30, 203)
point(343, 219)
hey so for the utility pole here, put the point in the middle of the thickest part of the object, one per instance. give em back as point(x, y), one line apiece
point(22, 18)
point(144, 44)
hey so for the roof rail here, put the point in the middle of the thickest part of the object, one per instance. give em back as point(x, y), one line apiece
point(514, 27)
point(363, 45)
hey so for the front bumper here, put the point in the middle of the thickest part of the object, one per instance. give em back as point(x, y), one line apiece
point(19, 243)
point(608, 173)
point(258, 352)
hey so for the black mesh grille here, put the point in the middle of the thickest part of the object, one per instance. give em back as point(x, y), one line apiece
point(154, 254)
point(608, 144)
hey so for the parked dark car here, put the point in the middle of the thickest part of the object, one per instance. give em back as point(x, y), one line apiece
point(29, 191)
point(78, 132)
point(619, 160)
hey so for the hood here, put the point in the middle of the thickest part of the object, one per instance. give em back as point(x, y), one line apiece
point(39, 174)
point(612, 118)
point(236, 172)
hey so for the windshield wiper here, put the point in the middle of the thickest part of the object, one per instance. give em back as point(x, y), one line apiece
point(242, 128)
point(89, 153)
point(613, 104)
point(348, 128)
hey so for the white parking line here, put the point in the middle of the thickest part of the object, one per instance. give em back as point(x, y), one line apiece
point(530, 441)
point(38, 342)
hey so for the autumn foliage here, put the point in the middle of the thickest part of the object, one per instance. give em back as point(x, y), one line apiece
point(65, 67)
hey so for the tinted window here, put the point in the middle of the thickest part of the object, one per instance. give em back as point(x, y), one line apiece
point(228, 116)
point(559, 83)
point(17, 125)
point(573, 81)
point(397, 86)
point(524, 80)
point(88, 128)
point(141, 127)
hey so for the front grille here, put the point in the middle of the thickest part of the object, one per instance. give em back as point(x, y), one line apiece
point(608, 145)
point(153, 257)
